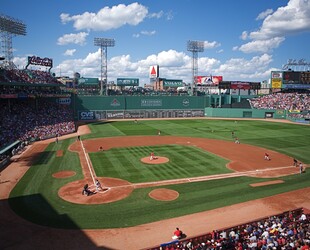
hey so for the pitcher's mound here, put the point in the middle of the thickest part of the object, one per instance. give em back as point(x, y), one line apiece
point(156, 160)
point(164, 194)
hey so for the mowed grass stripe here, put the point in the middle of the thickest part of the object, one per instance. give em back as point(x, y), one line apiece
point(184, 161)
point(109, 131)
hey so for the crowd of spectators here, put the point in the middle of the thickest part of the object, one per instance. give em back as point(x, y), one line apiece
point(147, 92)
point(26, 120)
point(285, 101)
point(302, 115)
point(32, 90)
point(288, 231)
point(27, 76)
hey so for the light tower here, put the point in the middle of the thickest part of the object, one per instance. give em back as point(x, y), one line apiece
point(104, 43)
point(195, 47)
point(8, 27)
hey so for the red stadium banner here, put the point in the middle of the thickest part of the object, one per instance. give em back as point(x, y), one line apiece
point(240, 85)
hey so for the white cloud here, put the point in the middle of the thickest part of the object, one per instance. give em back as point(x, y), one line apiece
point(156, 15)
point(211, 45)
point(262, 46)
point(240, 68)
point(244, 35)
point(235, 48)
point(171, 58)
point(65, 18)
point(79, 38)
point(288, 20)
point(169, 15)
point(291, 19)
point(264, 14)
point(20, 62)
point(148, 33)
point(160, 14)
point(69, 52)
point(144, 33)
point(108, 18)
point(172, 65)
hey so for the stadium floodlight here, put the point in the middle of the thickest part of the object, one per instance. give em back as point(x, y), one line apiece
point(8, 27)
point(195, 47)
point(104, 43)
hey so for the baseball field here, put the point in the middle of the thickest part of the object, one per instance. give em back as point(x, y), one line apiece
point(204, 169)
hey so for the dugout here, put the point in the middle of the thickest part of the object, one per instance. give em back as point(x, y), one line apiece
point(7, 152)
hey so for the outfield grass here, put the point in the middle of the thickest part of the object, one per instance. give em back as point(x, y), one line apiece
point(35, 196)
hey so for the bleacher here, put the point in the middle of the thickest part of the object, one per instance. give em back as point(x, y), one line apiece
point(284, 226)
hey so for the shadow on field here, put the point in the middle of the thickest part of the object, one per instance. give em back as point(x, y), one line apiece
point(35, 158)
point(48, 230)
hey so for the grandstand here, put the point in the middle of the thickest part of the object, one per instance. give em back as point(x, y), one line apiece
point(288, 230)
point(36, 106)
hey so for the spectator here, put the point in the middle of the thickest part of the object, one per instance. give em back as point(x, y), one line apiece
point(177, 234)
point(285, 231)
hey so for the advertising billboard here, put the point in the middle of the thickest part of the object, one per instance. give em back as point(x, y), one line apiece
point(239, 85)
point(35, 60)
point(86, 115)
point(276, 74)
point(208, 80)
point(276, 83)
point(154, 71)
point(88, 81)
point(172, 83)
point(127, 82)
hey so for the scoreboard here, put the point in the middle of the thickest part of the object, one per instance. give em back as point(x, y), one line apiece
point(305, 77)
point(290, 79)
point(296, 77)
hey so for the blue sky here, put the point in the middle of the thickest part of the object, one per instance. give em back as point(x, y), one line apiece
point(244, 40)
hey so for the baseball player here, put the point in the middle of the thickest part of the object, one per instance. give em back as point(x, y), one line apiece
point(98, 185)
point(152, 156)
point(301, 168)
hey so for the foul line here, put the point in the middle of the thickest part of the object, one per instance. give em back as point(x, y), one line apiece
point(90, 167)
point(199, 178)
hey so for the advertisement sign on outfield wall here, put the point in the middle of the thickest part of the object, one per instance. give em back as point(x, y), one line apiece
point(86, 115)
point(64, 101)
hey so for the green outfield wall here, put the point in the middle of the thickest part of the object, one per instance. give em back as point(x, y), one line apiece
point(245, 113)
point(120, 107)
point(139, 102)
